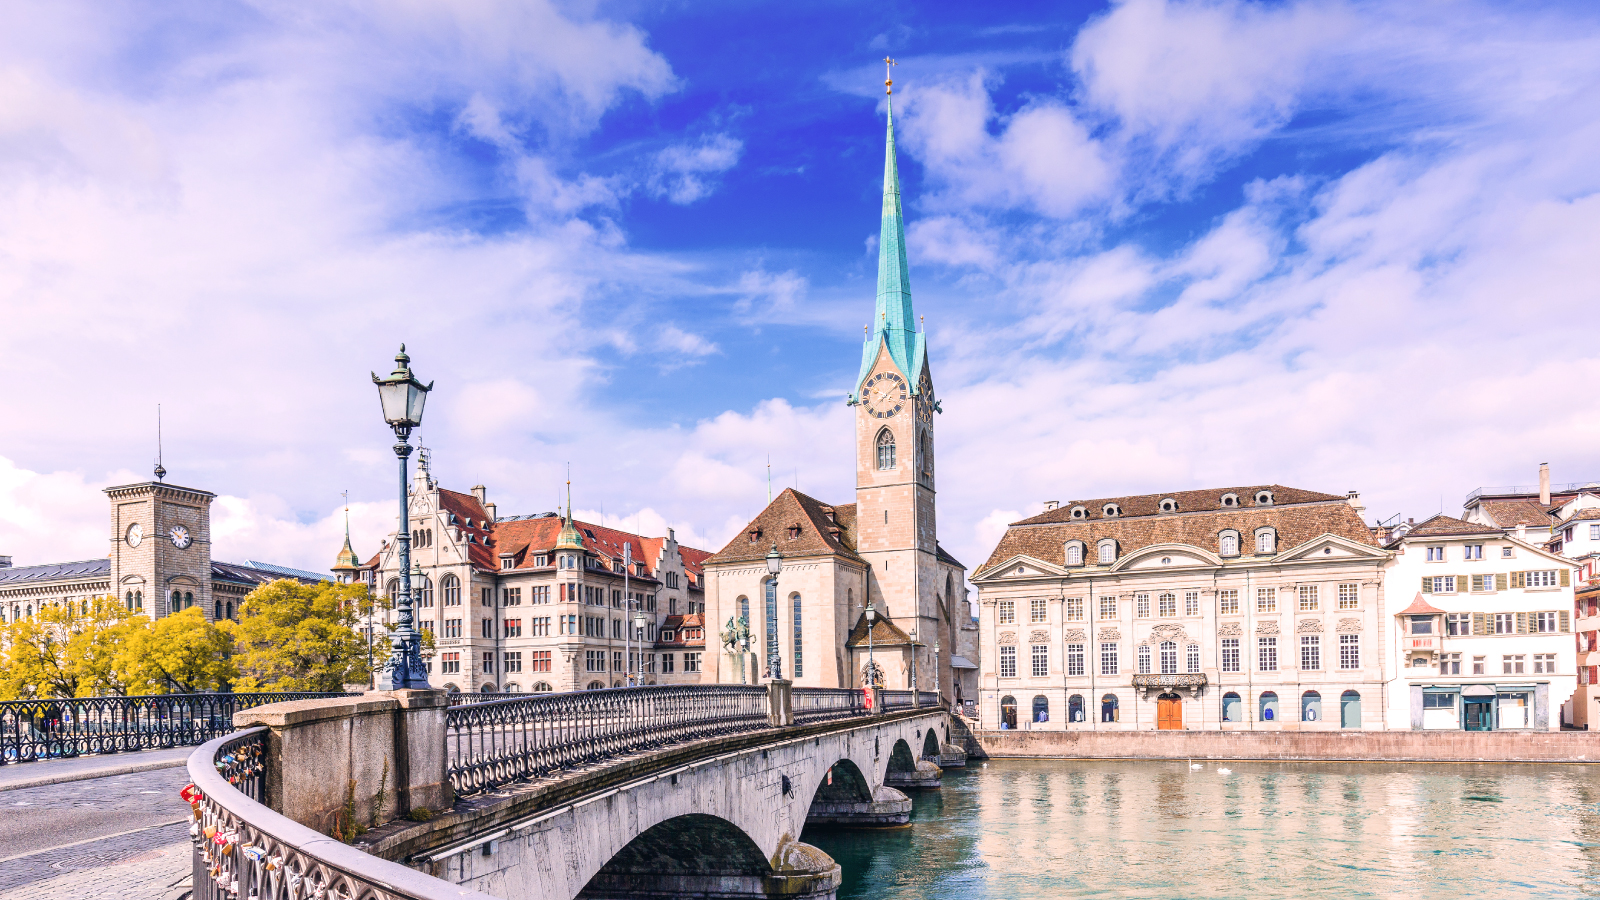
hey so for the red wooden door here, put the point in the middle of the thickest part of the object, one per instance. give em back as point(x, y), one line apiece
point(1169, 714)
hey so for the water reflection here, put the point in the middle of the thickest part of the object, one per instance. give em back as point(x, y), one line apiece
point(1057, 828)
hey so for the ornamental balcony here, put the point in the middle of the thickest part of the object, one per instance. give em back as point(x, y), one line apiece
point(1189, 681)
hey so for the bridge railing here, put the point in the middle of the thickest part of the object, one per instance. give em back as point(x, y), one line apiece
point(824, 704)
point(515, 738)
point(244, 849)
point(61, 727)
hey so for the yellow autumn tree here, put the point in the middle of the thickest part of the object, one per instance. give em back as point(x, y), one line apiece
point(181, 653)
point(68, 649)
point(301, 637)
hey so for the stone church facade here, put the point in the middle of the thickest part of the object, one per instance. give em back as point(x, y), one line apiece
point(809, 624)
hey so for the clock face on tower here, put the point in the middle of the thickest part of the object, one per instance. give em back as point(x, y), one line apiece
point(884, 394)
point(135, 534)
point(180, 537)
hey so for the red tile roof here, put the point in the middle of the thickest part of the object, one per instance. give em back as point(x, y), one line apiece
point(1420, 607)
point(1188, 501)
point(524, 537)
point(1511, 513)
point(1441, 525)
point(800, 525)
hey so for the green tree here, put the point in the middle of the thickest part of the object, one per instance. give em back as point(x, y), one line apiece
point(68, 649)
point(301, 637)
point(181, 653)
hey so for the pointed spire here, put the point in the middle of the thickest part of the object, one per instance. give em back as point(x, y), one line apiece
point(347, 555)
point(570, 539)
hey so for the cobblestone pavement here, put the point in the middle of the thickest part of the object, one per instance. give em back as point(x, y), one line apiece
point(49, 771)
point(123, 836)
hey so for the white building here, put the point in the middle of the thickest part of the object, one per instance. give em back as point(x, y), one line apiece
point(1486, 644)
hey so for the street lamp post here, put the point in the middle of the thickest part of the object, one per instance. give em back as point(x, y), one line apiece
point(403, 397)
point(627, 604)
point(872, 662)
point(774, 566)
point(640, 620)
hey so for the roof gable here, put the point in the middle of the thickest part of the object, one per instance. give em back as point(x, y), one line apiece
point(798, 524)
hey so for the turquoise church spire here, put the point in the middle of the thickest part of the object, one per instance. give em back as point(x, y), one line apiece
point(893, 321)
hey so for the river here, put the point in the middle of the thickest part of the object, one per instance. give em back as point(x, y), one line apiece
point(1018, 829)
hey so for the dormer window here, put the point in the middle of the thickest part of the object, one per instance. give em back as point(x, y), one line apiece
point(1230, 500)
point(1108, 552)
point(666, 635)
point(541, 560)
point(1266, 540)
point(1079, 512)
point(508, 561)
point(1169, 505)
point(638, 570)
point(1263, 498)
point(1228, 543)
point(1074, 553)
point(794, 532)
point(1111, 510)
point(755, 535)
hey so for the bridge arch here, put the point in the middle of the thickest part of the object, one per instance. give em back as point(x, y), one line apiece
point(930, 745)
point(688, 856)
point(901, 760)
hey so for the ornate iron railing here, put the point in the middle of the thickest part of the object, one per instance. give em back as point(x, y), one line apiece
point(60, 727)
point(896, 699)
point(929, 698)
point(823, 704)
point(244, 849)
point(515, 738)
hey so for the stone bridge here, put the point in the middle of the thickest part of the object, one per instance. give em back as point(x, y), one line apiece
point(718, 815)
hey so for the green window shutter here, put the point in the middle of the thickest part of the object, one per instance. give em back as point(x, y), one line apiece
point(1566, 621)
point(1500, 581)
point(1461, 583)
point(1480, 624)
point(1522, 623)
point(1566, 577)
point(1427, 585)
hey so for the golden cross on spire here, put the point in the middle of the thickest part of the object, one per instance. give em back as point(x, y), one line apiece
point(888, 80)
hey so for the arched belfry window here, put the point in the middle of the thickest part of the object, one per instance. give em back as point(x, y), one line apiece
point(927, 455)
point(885, 449)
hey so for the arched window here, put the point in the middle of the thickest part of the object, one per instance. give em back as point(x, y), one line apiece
point(1350, 710)
point(451, 689)
point(885, 449)
point(1074, 554)
point(927, 456)
point(511, 687)
point(138, 599)
point(450, 591)
point(130, 600)
point(1269, 706)
point(1228, 543)
point(1311, 707)
point(1108, 552)
point(227, 608)
point(596, 686)
point(1167, 604)
point(1232, 707)
point(744, 610)
point(423, 592)
point(1041, 709)
point(1144, 659)
point(799, 669)
point(1109, 708)
point(542, 687)
point(188, 599)
point(774, 663)
point(177, 602)
point(1194, 657)
point(1008, 712)
point(216, 614)
point(1169, 658)
point(1266, 540)
point(393, 589)
point(1075, 711)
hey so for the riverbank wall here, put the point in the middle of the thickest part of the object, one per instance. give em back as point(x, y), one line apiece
point(1391, 746)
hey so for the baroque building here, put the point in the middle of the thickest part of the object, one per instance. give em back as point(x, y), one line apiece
point(810, 623)
point(1246, 608)
point(536, 603)
point(159, 561)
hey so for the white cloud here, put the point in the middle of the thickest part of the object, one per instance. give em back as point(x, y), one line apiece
point(767, 293)
point(683, 172)
point(677, 341)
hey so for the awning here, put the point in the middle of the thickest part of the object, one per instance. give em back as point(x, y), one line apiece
point(961, 662)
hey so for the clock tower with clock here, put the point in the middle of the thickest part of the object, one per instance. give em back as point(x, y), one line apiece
point(161, 546)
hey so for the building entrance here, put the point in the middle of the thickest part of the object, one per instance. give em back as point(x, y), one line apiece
point(1169, 713)
point(1477, 714)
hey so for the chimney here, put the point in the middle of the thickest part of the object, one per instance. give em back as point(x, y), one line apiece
point(672, 536)
point(1354, 497)
point(1544, 484)
point(5, 562)
point(489, 508)
point(480, 493)
point(1051, 504)
point(1411, 521)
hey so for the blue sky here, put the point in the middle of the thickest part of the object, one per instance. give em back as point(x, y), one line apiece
point(1158, 245)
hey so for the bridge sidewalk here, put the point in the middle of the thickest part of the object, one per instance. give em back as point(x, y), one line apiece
point(82, 768)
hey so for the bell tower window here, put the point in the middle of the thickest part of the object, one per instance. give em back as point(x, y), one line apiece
point(885, 449)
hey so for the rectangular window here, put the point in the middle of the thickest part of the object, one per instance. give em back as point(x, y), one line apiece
point(1349, 596)
point(1474, 551)
point(1479, 664)
point(1266, 600)
point(1008, 662)
point(1458, 624)
point(1108, 607)
point(1444, 584)
point(1511, 665)
point(1074, 659)
point(1041, 660)
point(1541, 579)
point(1506, 552)
point(616, 662)
point(1108, 659)
point(1438, 701)
point(667, 662)
point(1267, 654)
point(1141, 605)
point(1228, 602)
point(691, 662)
point(1422, 624)
point(513, 628)
point(1144, 659)
point(488, 663)
point(1349, 651)
point(1308, 598)
point(539, 661)
point(1545, 622)
point(1449, 664)
point(487, 628)
point(1505, 623)
point(1007, 612)
point(1310, 652)
point(1036, 611)
point(1435, 554)
point(512, 597)
point(594, 660)
point(539, 594)
point(1594, 532)
point(1191, 603)
point(1544, 664)
point(452, 628)
point(1230, 654)
point(539, 626)
point(1167, 605)
point(449, 663)
point(1075, 609)
point(1194, 657)
point(1482, 583)
point(799, 649)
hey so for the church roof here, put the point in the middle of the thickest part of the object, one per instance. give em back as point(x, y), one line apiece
point(894, 324)
point(884, 633)
point(801, 526)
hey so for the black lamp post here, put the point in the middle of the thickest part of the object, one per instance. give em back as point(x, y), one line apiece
point(774, 566)
point(403, 397)
point(872, 663)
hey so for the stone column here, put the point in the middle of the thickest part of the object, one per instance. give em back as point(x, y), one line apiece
point(780, 702)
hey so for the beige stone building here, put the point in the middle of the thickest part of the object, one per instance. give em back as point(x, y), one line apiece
point(1247, 608)
point(535, 603)
point(159, 561)
point(882, 550)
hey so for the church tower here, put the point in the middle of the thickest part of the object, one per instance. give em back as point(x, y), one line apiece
point(894, 402)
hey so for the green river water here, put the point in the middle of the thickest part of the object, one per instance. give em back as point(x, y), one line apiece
point(1058, 828)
